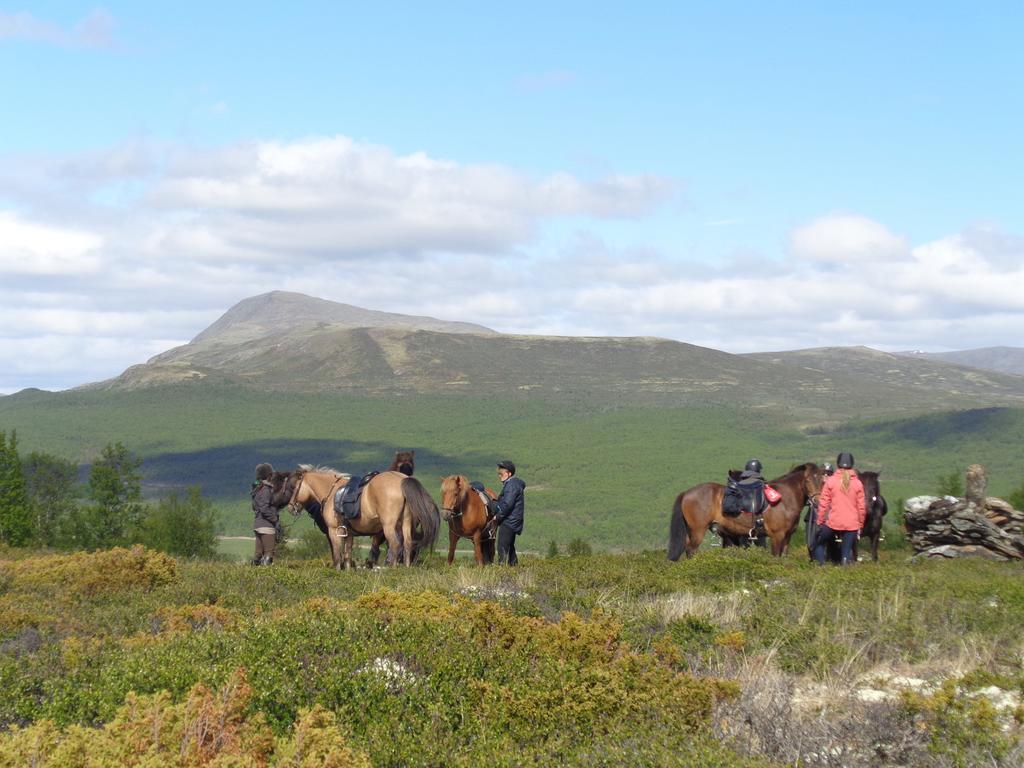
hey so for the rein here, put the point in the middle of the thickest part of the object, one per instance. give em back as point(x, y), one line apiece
point(296, 507)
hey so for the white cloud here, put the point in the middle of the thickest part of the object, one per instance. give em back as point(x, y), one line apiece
point(846, 237)
point(34, 249)
point(110, 254)
point(93, 31)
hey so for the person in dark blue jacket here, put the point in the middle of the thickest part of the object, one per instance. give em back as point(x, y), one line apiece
point(509, 515)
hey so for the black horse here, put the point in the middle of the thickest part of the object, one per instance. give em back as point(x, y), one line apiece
point(876, 509)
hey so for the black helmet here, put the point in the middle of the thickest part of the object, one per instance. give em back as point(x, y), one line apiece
point(845, 460)
point(829, 468)
point(506, 464)
point(753, 466)
point(264, 471)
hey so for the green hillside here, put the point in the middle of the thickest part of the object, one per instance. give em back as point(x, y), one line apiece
point(607, 431)
point(601, 473)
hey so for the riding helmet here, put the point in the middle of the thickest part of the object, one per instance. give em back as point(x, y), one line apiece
point(753, 466)
point(506, 464)
point(845, 460)
point(264, 471)
point(830, 469)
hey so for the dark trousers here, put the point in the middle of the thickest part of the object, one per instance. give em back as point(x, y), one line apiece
point(825, 535)
point(266, 543)
point(507, 546)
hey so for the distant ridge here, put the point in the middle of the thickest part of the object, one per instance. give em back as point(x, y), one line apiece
point(280, 311)
point(287, 342)
point(1000, 359)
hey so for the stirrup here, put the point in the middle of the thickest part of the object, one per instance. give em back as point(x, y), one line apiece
point(752, 534)
point(343, 531)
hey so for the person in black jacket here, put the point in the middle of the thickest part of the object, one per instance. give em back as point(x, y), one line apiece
point(509, 514)
point(266, 517)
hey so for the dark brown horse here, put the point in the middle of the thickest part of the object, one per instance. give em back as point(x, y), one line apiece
point(404, 462)
point(466, 514)
point(696, 508)
point(876, 509)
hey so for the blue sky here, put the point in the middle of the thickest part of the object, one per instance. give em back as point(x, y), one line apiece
point(621, 171)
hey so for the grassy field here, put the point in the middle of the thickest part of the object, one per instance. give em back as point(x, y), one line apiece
point(604, 474)
point(731, 658)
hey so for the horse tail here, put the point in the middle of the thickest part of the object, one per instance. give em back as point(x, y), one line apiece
point(677, 530)
point(424, 510)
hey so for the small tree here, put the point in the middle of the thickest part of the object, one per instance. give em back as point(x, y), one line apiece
point(51, 484)
point(115, 495)
point(181, 526)
point(1016, 498)
point(552, 549)
point(15, 517)
point(951, 484)
point(578, 547)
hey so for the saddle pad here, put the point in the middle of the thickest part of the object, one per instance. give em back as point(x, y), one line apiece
point(348, 498)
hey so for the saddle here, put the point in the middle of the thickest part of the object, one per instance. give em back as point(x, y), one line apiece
point(489, 504)
point(347, 498)
point(753, 497)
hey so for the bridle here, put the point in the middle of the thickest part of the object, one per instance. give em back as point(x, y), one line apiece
point(459, 504)
point(296, 507)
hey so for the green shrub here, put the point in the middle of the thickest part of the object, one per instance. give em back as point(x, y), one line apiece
point(207, 729)
point(951, 484)
point(89, 573)
point(578, 547)
point(181, 526)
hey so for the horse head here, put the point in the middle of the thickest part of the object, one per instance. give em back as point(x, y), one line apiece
point(453, 494)
point(872, 489)
point(814, 480)
point(404, 462)
point(281, 489)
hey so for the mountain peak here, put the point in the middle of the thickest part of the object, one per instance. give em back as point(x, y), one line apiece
point(278, 311)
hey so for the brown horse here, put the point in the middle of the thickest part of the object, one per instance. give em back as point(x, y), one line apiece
point(466, 514)
point(392, 503)
point(696, 508)
point(404, 462)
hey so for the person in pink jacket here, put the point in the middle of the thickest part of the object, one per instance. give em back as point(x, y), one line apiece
point(841, 510)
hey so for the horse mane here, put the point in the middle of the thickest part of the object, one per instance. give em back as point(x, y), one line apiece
point(321, 469)
point(800, 468)
point(462, 480)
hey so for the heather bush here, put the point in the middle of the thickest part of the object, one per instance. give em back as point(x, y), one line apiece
point(210, 729)
point(617, 660)
point(88, 573)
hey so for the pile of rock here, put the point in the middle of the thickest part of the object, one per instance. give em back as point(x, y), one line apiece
point(976, 525)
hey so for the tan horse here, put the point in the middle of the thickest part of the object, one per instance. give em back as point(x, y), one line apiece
point(466, 514)
point(392, 503)
point(697, 508)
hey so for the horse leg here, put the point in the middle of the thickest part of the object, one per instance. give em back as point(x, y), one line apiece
point(407, 533)
point(334, 537)
point(394, 538)
point(694, 537)
point(875, 537)
point(478, 547)
point(453, 540)
point(375, 541)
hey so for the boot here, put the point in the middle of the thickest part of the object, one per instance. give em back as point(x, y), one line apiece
point(255, 561)
point(266, 560)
